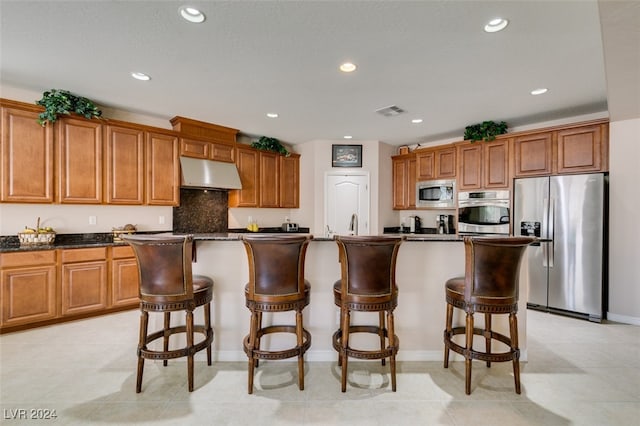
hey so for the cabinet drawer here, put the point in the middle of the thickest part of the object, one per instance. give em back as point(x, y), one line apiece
point(84, 254)
point(122, 252)
point(37, 257)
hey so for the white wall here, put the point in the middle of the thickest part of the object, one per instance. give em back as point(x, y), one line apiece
point(624, 229)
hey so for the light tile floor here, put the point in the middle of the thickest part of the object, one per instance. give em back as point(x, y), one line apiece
point(579, 373)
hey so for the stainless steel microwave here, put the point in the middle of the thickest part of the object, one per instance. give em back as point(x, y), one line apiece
point(436, 193)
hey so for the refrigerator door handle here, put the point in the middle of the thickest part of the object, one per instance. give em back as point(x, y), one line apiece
point(544, 232)
point(550, 226)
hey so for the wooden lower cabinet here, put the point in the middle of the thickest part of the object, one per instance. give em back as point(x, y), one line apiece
point(124, 277)
point(84, 280)
point(28, 287)
point(42, 287)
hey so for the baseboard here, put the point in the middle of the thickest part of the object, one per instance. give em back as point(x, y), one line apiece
point(623, 319)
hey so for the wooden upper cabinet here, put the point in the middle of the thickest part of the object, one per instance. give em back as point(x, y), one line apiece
point(269, 179)
point(290, 181)
point(162, 169)
point(439, 163)
point(205, 140)
point(425, 165)
point(496, 167)
point(79, 161)
point(194, 148)
point(469, 166)
point(581, 149)
point(26, 157)
point(445, 163)
point(248, 168)
point(124, 165)
point(404, 181)
point(533, 154)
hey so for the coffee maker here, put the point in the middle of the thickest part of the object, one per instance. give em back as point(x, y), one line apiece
point(444, 224)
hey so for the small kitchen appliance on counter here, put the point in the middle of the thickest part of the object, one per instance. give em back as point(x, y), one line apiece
point(289, 227)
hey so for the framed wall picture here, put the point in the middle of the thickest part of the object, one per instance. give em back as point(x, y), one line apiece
point(346, 156)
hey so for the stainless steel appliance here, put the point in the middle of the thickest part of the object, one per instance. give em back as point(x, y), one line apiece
point(444, 224)
point(483, 212)
point(436, 193)
point(567, 272)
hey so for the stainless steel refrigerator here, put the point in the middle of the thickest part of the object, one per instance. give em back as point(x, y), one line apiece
point(566, 271)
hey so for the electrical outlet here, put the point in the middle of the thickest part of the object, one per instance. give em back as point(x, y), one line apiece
point(161, 220)
point(92, 220)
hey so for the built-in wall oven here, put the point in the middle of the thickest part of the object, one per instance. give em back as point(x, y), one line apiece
point(483, 212)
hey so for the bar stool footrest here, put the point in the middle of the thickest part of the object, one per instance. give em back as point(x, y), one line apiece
point(479, 355)
point(281, 354)
point(176, 353)
point(389, 351)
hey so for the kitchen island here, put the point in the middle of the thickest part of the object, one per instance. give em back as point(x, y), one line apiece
point(425, 262)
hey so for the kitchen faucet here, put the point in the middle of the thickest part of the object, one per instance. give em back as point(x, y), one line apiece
point(353, 225)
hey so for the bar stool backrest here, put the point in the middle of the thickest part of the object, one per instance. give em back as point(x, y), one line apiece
point(164, 264)
point(276, 264)
point(368, 264)
point(492, 268)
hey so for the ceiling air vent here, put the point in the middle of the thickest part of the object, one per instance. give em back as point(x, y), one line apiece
point(390, 111)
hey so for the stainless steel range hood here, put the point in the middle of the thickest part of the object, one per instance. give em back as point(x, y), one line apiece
point(207, 174)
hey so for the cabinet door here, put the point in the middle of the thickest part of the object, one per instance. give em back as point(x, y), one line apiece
point(411, 182)
point(79, 161)
point(580, 150)
point(269, 179)
point(163, 170)
point(26, 158)
point(194, 148)
point(425, 165)
point(470, 166)
point(84, 287)
point(221, 152)
point(533, 154)
point(290, 181)
point(28, 294)
point(124, 282)
point(445, 161)
point(400, 176)
point(248, 167)
point(125, 165)
point(496, 164)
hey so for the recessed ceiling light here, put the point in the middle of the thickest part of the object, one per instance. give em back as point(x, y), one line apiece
point(348, 67)
point(495, 25)
point(272, 115)
point(140, 76)
point(416, 120)
point(192, 14)
point(348, 137)
point(539, 91)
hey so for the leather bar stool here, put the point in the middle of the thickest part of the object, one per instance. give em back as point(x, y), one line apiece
point(490, 287)
point(367, 284)
point(276, 284)
point(167, 285)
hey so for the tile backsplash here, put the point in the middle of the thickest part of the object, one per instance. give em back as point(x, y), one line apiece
point(201, 211)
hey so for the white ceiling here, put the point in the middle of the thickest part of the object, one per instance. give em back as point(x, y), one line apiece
point(430, 58)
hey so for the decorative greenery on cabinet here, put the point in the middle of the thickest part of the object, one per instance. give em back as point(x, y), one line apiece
point(270, 144)
point(56, 102)
point(485, 131)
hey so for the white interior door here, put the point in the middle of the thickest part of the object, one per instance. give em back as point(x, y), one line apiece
point(346, 195)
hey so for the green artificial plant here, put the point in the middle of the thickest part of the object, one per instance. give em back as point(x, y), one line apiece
point(56, 102)
point(270, 144)
point(485, 131)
